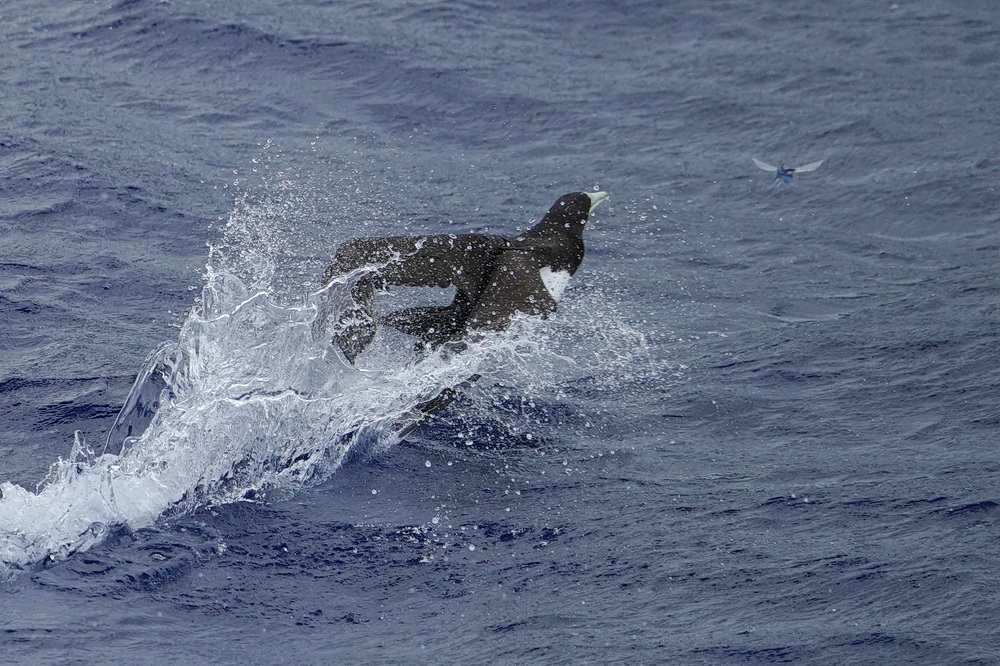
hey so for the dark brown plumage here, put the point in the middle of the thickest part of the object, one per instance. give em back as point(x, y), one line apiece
point(495, 276)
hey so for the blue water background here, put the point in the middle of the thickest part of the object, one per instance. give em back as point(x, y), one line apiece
point(793, 460)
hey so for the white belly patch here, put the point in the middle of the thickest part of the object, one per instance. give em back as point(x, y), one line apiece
point(555, 282)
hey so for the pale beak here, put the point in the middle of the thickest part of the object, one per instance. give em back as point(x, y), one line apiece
point(596, 198)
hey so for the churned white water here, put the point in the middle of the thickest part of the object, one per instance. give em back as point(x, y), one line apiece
point(252, 396)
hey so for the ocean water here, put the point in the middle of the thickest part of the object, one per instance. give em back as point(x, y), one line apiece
point(760, 429)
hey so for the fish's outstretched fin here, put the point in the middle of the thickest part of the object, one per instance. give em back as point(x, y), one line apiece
point(424, 411)
point(143, 400)
point(764, 165)
point(808, 167)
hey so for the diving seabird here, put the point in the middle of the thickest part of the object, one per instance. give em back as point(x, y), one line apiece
point(495, 276)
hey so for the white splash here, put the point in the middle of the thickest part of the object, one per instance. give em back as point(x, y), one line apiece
point(252, 395)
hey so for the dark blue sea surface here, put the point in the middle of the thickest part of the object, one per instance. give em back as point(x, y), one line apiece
point(762, 427)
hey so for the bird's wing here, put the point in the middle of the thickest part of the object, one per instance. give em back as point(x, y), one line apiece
point(435, 324)
point(764, 165)
point(421, 261)
point(515, 285)
point(809, 167)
